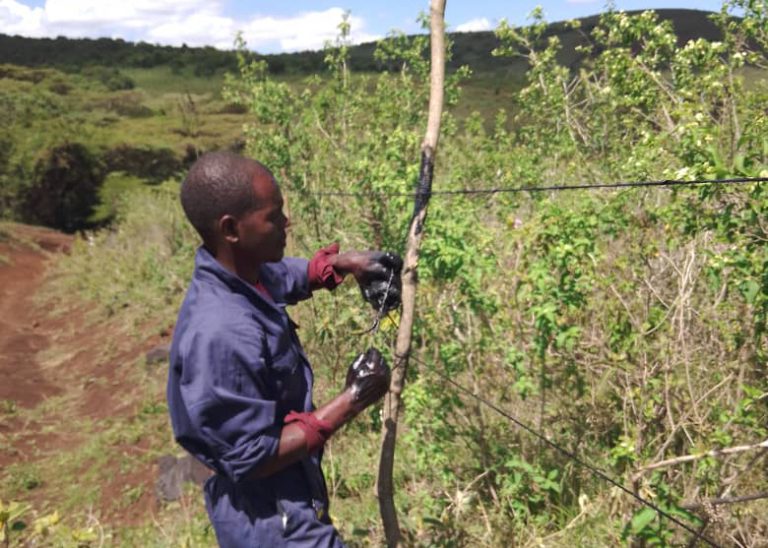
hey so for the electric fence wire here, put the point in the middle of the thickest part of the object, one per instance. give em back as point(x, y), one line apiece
point(545, 188)
point(697, 534)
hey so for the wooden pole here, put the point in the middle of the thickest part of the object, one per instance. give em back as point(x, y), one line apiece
point(392, 402)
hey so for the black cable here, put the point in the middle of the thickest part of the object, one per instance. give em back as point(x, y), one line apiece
point(567, 453)
point(555, 188)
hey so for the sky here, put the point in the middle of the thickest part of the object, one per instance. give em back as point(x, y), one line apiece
point(272, 26)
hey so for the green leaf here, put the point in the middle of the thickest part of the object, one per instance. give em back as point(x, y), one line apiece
point(642, 519)
point(749, 289)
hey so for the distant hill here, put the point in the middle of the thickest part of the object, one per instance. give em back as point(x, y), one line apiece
point(474, 48)
point(471, 48)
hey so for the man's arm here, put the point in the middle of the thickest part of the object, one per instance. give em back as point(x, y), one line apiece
point(293, 445)
point(230, 429)
point(293, 279)
point(367, 382)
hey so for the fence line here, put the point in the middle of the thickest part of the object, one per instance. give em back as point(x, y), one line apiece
point(546, 188)
point(698, 535)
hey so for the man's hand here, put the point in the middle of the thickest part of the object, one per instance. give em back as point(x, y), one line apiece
point(367, 379)
point(377, 273)
point(305, 433)
point(359, 263)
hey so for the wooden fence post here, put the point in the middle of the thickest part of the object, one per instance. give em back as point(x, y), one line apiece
point(384, 483)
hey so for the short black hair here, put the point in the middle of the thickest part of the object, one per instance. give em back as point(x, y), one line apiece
point(218, 184)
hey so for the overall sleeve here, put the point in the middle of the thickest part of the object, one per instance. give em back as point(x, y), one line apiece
point(288, 280)
point(293, 279)
point(321, 272)
point(225, 400)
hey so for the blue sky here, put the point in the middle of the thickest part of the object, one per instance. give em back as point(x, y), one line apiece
point(273, 26)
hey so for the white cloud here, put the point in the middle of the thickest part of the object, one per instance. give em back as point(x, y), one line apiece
point(129, 13)
point(194, 22)
point(17, 18)
point(473, 25)
point(197, 29)
point(308, 30)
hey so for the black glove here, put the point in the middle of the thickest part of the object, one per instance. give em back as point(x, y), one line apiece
point(380, 282)
point(368, 378)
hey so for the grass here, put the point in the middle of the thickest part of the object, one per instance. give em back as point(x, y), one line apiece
point(10, 234)
point(71, 457)
point(161, 80)
point(164, 91)
point(181, 523)
point(166, 110)
point(115, 188)
point(5, 236)
point(754, 77)
point(487, 93)
point(175, 121)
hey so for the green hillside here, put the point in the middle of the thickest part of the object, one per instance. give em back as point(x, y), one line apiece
point(143, 112)
point(470, 48)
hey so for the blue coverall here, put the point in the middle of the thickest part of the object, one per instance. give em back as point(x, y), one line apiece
point(237, 368)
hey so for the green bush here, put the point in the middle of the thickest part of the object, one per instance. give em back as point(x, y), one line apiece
point(64, 189)
point(110, 77)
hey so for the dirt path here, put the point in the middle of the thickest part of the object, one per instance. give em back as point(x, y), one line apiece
point(22, 381)
point(64, 381)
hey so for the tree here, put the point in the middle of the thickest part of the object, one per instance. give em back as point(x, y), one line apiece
point(65, 188)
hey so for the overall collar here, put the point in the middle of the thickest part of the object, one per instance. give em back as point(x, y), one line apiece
point(209, 270)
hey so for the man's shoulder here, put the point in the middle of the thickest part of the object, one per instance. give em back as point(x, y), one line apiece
point(211, 330)
point(216, 311)
point(286, 267)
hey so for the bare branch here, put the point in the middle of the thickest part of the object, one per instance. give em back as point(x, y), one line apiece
point(715, 453)
point(723, 500)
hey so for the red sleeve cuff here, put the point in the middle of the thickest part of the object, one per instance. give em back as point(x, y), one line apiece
point(316, 431)
point(321, 272)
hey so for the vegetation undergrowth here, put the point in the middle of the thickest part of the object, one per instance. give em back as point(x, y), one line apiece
point(64, 134)
point(628, 326)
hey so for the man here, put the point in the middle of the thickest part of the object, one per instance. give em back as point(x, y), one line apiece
point(240, 386)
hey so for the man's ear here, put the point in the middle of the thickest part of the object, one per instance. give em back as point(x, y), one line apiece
point(228, 229)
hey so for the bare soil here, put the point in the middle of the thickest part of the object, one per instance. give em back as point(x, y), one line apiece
point(22, 332)
point(59, 371)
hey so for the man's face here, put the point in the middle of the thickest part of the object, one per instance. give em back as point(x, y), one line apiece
point(263, 230)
